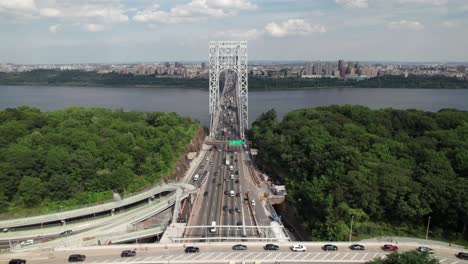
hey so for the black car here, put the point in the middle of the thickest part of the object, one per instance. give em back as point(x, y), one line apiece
point(225, 208)
point(271, 247)
point(215, 173)
point(239, 223)
point(226, 192)
point(238, 210)
point(218, 185)
point(17, 261)
point(66, 233)
point(237, 172)
point(237, 194)
point(236, 181)
point(76, 258)
point(213, 181)
point(206, 193)
point(235, 160)
point(192, 250)
point(231, 211)
point(462, 255)
point(357, 247)
point(330, 247)
point(239, 247)
point(128, 253)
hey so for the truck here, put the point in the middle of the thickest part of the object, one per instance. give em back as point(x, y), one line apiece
point(227, 162)
point(213, 227)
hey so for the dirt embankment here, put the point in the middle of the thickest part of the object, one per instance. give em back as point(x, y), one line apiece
point(183, 163)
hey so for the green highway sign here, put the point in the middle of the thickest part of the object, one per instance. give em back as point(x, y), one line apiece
point(236, 142)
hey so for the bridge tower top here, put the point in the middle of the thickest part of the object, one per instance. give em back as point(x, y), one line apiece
point(224, 56)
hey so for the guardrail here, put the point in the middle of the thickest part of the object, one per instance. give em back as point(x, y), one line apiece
point(37, 220)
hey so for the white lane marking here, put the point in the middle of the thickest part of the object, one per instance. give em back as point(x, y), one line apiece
point(157, 257)
point(246, 257)
point(355, 255)
point(256, 256)
point(178, 257)
point(199, 256)
point(136, 259)
point(209, 255)
point(287, 256)
point(298, 254)
point(442, 260)
point(326, 255)
point(374, 256)
point(146, 258)
point(318, 254)
point(116, 260)
point(226, 257)
point(344, 256)
point(336, 255)
point(363, 257)
point(306, 256)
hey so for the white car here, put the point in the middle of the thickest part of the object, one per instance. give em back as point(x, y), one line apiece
point(27, 242)
point(426, 249)
point(298, 248)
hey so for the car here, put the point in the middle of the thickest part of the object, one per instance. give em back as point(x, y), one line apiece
point(231, 211)
point(298, 248)
point(389, 247)
point(218, 185)
point(66, 233)
point(17, 261)
point(205, 193)
point(220, 166)
point(192, 250)
point(213, 181)
point(205, 172)
point(128, 253)
point(236, 181)
point(425, 249)
point(207, 159)
point(215, 173)
point(238, 210)
point(76, 258)
point(225, 208)
point(271, 247)
point(357, 247)
point(239, 223)
point(239, 247)
point(237, 194)
point(235, 160)
point(211, 163)
point(27, 242)
point(329, 247)
point(462, 255)
point(237, 172)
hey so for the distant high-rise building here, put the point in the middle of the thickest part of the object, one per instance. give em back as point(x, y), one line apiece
point(203, 66)
point(318, 68)
point(341, 68)
point(308, 70)
point(350, 66)
point(328, 69)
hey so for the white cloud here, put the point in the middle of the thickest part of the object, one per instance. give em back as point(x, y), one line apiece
point(192, 11)
point(238, 35)
point(21, 8)
point(451, 24)
point(55, 28)
point(405, 25)
point(94, 27)
point(432, 2)
point(353, 3)
point(293, 27)
point(49, 12)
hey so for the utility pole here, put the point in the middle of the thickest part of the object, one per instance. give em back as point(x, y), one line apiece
point(427, 230)
point(351, 229)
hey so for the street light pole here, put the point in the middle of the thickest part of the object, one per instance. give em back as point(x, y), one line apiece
point(427, 230)
point(351, 229)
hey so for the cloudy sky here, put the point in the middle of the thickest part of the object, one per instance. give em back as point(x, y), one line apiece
point(76, 31)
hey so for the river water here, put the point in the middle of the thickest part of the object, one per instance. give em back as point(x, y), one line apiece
point(194, 103)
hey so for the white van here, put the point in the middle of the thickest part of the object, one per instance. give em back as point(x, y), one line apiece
point(232, 176)
point(232, 194)
point(231, 168)
point(213, 227)
point(195, 178)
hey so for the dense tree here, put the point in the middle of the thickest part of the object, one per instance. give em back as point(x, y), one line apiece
point(395, 167)
point(80, 155)
point(83, 78)
point(409, 257)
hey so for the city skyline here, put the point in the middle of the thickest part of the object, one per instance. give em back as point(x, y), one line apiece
point(119, 31)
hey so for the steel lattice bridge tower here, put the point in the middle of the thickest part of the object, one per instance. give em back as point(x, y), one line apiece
point(228, 56)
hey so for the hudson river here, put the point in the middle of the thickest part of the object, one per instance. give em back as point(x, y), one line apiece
point(194, 103)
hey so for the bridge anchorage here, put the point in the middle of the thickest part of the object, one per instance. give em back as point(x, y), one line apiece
point(229, 57)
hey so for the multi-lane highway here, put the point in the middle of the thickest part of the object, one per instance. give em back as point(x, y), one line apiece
point(227, 196)
point(223, 253)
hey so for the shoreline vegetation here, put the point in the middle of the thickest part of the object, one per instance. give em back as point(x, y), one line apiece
point(389, 170)
point(75, 78)
point(79, 156)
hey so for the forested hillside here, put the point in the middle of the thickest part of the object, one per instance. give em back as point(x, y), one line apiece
point(78, 155)
point(390, 169)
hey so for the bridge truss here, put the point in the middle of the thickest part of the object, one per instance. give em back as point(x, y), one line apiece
point(228, 55)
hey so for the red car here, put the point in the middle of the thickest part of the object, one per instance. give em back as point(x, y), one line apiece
point(389, 247)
